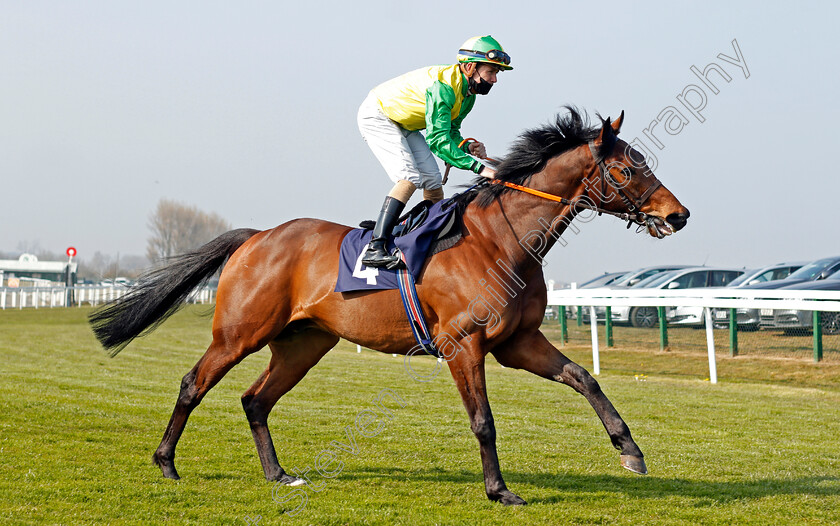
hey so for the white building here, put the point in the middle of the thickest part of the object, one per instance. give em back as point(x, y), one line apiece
point(28, 271)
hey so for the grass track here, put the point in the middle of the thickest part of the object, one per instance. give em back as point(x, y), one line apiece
point(77, 430)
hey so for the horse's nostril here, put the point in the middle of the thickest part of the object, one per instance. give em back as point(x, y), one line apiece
point(678, 220)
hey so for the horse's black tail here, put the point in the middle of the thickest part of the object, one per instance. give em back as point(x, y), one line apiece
point(159, 293)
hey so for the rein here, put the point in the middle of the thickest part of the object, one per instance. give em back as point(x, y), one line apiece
point(633, 204)
point(624, 216)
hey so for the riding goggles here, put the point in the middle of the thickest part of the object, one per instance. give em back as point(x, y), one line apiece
point(494, 55)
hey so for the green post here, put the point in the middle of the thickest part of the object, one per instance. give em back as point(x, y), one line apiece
point(608, 326)
point(818, 349)
point(733, 333)
point(580, 316)
point(663, 329)
point(564, 330)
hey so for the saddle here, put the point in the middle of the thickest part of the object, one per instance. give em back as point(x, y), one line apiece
point(408, 222)
point(416, 218)
point(424, 231)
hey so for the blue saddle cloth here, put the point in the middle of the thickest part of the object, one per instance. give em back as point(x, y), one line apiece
point(414, 245)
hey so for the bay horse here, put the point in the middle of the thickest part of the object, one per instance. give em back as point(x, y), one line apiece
point(277, 289)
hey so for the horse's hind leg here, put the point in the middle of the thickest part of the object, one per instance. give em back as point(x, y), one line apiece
point(291, 358)
point(216, 362)
point(534, 353)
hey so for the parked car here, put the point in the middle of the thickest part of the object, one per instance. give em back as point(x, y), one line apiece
point(792, 320)
point(749, 319)
point(639, 275)
point(608, 278)
point(766, 274)
point(630, 279)
point(694, 316)
point(687, 278)
point(814, 271)
point(118, 282)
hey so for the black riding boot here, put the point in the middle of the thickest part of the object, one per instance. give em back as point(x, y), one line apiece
point(377, 255)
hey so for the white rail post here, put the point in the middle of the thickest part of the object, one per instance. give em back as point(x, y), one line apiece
point(596, 358)
point(710, 343)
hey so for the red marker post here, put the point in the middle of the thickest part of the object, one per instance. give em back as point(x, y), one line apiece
point(70, 300)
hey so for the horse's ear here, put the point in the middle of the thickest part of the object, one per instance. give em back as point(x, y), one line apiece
point(606, 131)
point(616, 126)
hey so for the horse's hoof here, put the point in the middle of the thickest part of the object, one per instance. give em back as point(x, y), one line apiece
point(167, 467)
point(288, 480)
point(508, 498)
point(634, 464)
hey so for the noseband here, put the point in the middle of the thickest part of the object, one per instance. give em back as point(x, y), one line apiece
point(633, 204)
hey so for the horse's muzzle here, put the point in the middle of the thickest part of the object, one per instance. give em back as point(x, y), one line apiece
point(677, 221)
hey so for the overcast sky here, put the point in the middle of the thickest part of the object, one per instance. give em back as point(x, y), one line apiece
point(248, 109)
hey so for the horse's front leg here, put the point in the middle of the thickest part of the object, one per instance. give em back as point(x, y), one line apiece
point(468, 371)
point(532, 352)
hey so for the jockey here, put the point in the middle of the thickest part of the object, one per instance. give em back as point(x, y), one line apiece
point(436, 99)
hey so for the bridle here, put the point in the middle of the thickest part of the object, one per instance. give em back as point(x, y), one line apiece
point(632, 202)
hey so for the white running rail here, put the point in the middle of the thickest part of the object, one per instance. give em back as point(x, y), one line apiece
point(708, 299)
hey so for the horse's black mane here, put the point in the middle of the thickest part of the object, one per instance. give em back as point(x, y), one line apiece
point(530, 153)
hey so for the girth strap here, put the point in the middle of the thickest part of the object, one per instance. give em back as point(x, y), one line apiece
point(414, 311)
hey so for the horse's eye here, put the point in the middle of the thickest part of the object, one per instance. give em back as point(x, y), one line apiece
point(627, 172)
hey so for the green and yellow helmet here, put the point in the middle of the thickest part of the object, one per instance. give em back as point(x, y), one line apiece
point(484, 49)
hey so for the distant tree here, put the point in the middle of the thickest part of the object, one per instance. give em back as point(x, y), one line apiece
point(29, 246)
point(97, 267)
point(132, 265)
point(34, 247)
point(177, 228)
point(101, 266)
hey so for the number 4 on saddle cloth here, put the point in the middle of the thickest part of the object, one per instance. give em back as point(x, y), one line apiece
point(425, 230)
